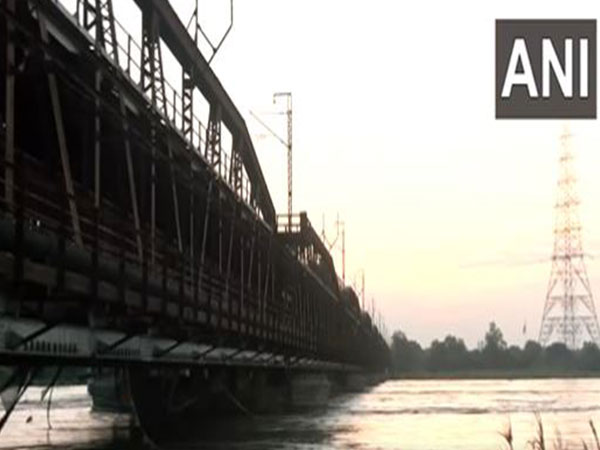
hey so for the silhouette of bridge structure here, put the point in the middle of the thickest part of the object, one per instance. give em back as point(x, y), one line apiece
point(136, 226)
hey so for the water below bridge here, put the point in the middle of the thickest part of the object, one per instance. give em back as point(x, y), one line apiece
point(403, 414)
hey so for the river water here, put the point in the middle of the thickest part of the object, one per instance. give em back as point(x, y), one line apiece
point(410, 415)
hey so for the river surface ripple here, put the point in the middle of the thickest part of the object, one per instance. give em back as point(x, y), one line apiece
point(401, 414)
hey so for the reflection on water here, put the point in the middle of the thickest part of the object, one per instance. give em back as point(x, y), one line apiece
point(413, 415)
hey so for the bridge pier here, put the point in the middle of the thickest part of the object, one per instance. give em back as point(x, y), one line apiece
point(166, 402)
point(311, 389)
point(261, 391)
point(171, 401)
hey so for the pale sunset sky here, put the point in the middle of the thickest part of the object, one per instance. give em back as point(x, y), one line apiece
point(448, 210)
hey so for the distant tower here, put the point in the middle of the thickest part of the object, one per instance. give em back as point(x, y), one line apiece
point(569, 314)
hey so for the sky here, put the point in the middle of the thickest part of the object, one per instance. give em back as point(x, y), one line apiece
point(447, 210)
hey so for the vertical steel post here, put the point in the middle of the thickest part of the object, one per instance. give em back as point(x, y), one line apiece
point(131, 178)
point(60, 132)
point(152, 84)
point(213, 138)
point(240, 311)
point(175, 197)
point(203, 249)
point(153, 196)
point(187, 107)
point(259, 324)
point(251, 261)
point(97, 139)
point(229, 257)
point(10, 71)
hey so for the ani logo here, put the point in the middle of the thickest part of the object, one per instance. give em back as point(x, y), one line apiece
point(546, 69)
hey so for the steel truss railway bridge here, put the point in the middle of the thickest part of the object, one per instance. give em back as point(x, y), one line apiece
point(136, 232)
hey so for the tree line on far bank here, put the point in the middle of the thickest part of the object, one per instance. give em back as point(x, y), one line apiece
point(493, 354)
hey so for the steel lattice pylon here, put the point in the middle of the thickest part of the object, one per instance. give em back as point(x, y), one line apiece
point(569, 313)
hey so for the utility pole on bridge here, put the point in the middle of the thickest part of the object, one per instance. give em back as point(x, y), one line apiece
point(287, 143)
point(288, 98)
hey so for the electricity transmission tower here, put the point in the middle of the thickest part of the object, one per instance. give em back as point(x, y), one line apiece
point(569, 314)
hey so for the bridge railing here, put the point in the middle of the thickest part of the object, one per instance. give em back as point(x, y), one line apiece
point(223, 304)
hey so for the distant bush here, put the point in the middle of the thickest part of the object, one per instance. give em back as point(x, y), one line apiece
point(452, 355)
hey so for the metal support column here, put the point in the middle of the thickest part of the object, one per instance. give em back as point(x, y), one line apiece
point(152, 84)
point(213, 139)
point(187, 108)
point(9, 111)
point(60, 132)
